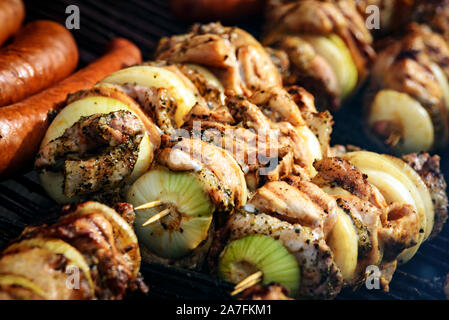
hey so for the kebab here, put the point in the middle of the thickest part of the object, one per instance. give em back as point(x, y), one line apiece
point(89, 238)
point(407, 102)
point(164, 169)
point(327, 45)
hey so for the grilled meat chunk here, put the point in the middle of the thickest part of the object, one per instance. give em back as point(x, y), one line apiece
point(222, 174)
point(239, 60)
point(408, 66)
point(337, 172)
point(428, 167)
point(117, 135)
point(48, 270)
point(92, 235)
point(289, 23)
point(320, 277)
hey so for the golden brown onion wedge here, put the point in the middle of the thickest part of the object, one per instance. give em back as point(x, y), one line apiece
point(343, 242)
point(157, 77)
point(400, 122)
point(52, 182)
point(394, 185)
point(333, 49)
point(421, 188)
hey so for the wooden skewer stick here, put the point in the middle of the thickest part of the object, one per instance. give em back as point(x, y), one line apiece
point(156, 217)
point(248, 282)
point(149, 205)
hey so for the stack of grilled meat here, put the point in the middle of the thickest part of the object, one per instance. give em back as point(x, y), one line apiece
point(91, 252)
point(237, 167)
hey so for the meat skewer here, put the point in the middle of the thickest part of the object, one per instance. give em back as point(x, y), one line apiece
point(318, 216)
point(327, 44)
point(407, 102)
point(89, 238)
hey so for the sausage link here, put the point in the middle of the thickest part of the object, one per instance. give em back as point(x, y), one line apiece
point(23, 125)
point(42, 53)
point(12, 13)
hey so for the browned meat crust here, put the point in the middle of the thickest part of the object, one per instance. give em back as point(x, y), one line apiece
point(48, 271)
point(92, 235)
point(287, 18)
point(341, 173)
point(405, 66)
point(114, 138)
point(320, 277)
point(428, 167)
point(239, 60)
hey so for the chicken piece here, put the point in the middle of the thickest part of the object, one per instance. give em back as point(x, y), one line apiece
point(89, 133)
point(320, 277)
point(319, 197)
point(308, 69)
point(226, 185)
point(116, 92)
point(407, 66)
point(288, 21)
point(269, 292)
point(280, 60)
point(126, 211)
point(48, 270)
point(233, 55)
point(265, 150)
point(92, 236)
point(156, 103)
point(211, 92)
point(400, 230)
point(337, 172)
point(284, 133)
point(277, 104)
point(117, 135)
point(428, 167)
point(303, 203)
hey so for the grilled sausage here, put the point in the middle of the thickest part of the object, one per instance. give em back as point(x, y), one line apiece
point(42, 53)
point(23, 125)
point(12, 13)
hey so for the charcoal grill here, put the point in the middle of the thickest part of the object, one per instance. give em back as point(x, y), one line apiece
point(24, 202)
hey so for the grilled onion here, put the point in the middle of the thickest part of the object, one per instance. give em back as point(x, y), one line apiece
point(157, 77)
point(53, 181)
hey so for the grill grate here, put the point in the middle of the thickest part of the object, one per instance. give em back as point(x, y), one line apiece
point(23, 201)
